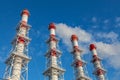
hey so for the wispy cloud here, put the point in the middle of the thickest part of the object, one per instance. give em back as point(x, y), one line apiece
point(110, 35)
point(116, 75)
point(94, 19)
point(117, 19)
point(117, 22)
point(106, 21)
point(109, 51)
point(3, 51)
point(36, 33)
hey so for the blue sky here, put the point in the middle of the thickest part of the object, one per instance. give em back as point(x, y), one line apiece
point(95, 21)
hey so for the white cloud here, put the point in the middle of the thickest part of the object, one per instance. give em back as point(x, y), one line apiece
point(111, 35)
point(114, 61)
point(94, 19)
point(106, 21)
point(117, 22)
point(106, 51)
point(64, 32)
point(116, 75)
point(117, 19)
point(3, 51)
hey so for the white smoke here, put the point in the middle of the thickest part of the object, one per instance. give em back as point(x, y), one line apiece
point(109, 51)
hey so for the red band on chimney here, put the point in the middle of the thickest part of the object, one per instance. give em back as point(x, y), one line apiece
point(52, 26)
point(25, 11)
point(74, 37)
point(92, 46)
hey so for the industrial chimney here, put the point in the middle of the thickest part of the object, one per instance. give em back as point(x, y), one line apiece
point(17, 62)
point(54, 70)
point(99, 71)
point(78, 63)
